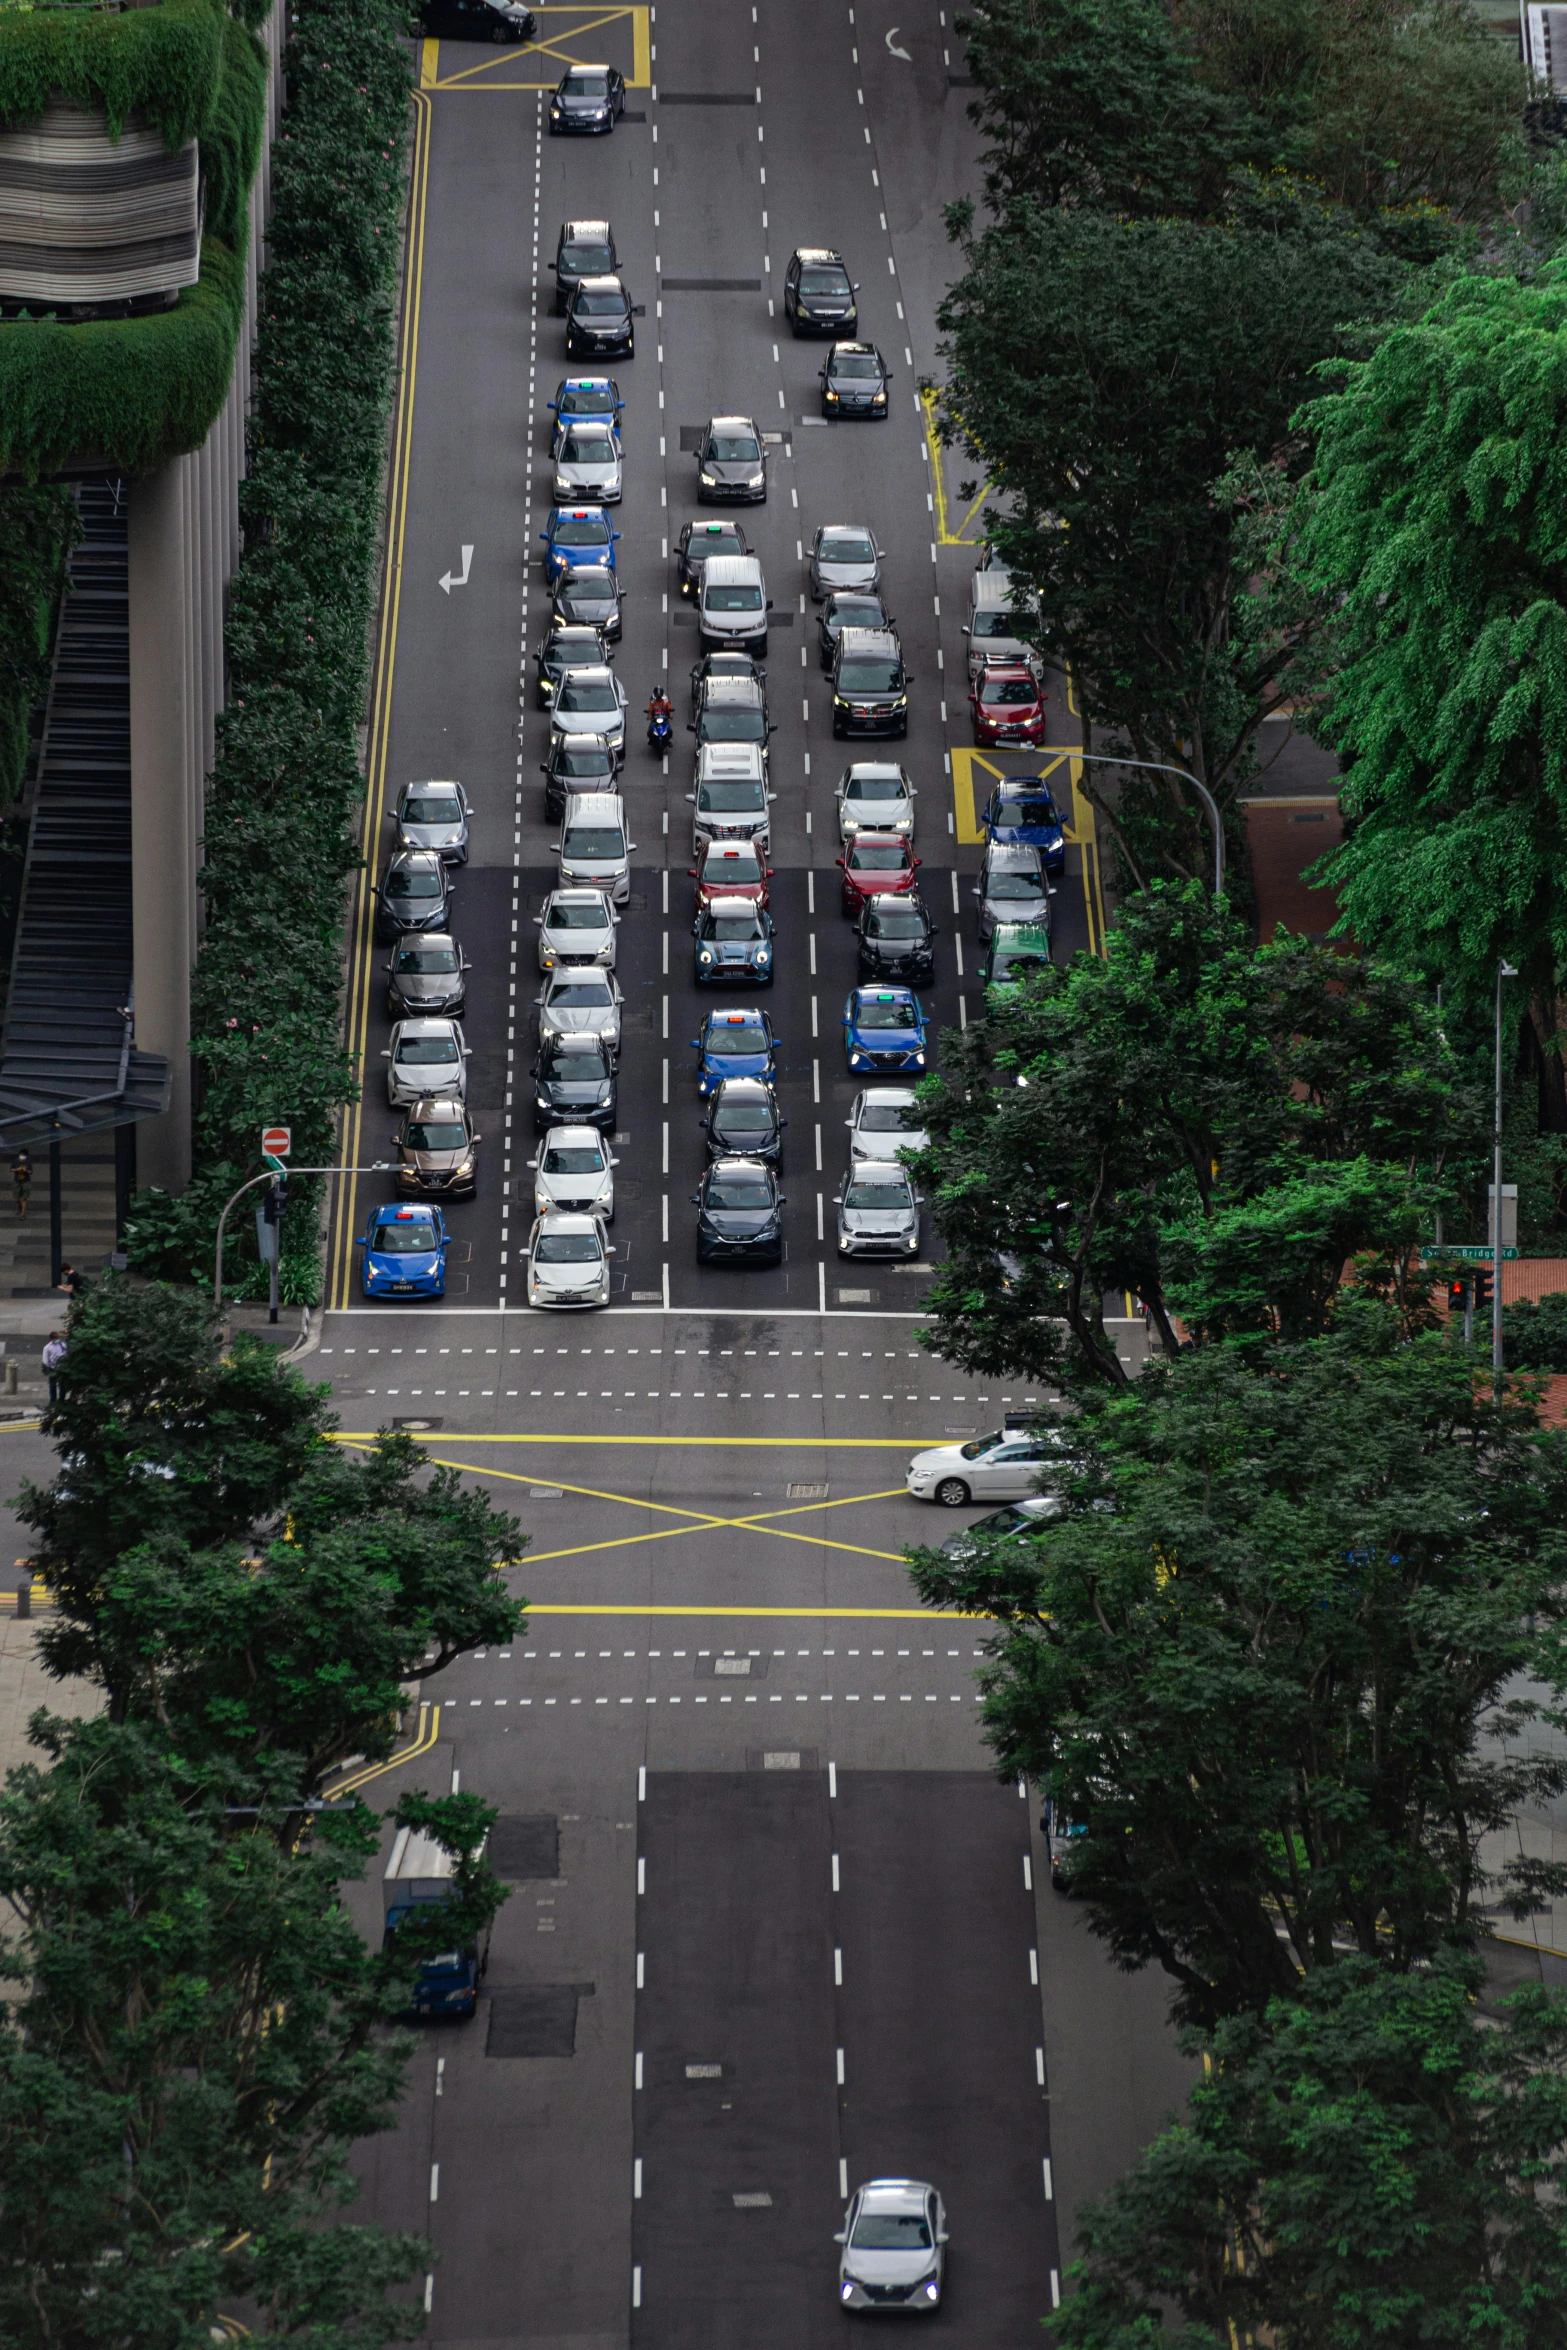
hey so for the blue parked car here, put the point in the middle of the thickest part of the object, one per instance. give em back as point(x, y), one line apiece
point(576, 534)
point(596, 397)
point(734, 1044)
point(884, 1031)
point(405, 1251)
point(1022, 811)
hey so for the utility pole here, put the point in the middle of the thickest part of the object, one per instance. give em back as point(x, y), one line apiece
point(1504, 970)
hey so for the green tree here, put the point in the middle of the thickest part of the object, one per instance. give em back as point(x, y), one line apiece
point(1214, 1128)
point(38, 528)
point(196, 2038)
point(1367, 2162)
point(1437, 498)
point(1268, 1654)
point(1128, 388)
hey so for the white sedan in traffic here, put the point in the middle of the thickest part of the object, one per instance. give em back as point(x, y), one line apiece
point(1003, 1467)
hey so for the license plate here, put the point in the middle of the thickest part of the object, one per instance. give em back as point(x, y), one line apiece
point(402, 1285)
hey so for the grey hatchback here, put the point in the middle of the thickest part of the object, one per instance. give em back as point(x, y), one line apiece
point(433, 816)
point(1012, 886)
point(415, 894)
point(428, 972)
point(844, 555)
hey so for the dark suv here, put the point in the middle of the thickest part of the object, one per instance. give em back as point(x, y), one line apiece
point(818, 297)
point(586, 248)
point(869, 683)
point(599, 321)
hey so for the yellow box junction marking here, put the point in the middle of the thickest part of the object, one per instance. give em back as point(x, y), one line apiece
point(569, 43)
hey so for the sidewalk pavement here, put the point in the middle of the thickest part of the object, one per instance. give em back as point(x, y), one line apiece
point(25, 1686)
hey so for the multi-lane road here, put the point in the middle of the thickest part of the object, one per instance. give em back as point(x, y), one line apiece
point(776, 1928)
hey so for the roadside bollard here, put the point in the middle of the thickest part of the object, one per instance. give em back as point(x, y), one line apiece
point(10, 1378)
point(24, 1597)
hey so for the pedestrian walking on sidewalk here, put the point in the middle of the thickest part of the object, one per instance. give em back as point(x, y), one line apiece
point(54, 1362)
point(21, 1179)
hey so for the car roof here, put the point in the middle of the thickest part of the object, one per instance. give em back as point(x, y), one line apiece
point(731, 571)
point(737, 852)
point(430, 1105)
point(1012, 856)
point(992, 590)
point(869, 767)
point(887, 840)
point(1018, 934)
point(425, 1024)
point(396, 1212)
point(734, 1164)
point(734, 908)
point(883, 994)
point(868, 640)
point(576, 1043)
point(585, 629)
point(576, 1135)
point(425, 938)
point(578, 231)
point(843, 530)
point(878, 1171)
point(568, 1220)
point(577, 897)
point(425, 857)
point(902, 1097)
point(743, 690)
point(817, 253)
point(574, 573)
point(732, 762)
point(430, 783)
point(591, 669)
point(863, 350)
point(1007, 665)
point(748, 1089)
point(896, 2194)
point(599, 283)
point(715, 422)
point(737, 1016)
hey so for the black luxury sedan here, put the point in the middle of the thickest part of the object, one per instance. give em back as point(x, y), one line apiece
point(738, 1214)
point(588, 98)
point(897, 941)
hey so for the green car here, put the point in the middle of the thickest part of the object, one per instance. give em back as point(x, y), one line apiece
point(1012, 951)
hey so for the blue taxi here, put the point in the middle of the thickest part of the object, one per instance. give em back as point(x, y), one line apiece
point(884, 1031)
point(405, 1251)
point(594, 397)
point(734, 1044)
point(576, 534)
point(1021, 812)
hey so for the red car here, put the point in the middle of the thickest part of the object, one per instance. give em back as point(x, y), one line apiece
point(1008, 704)
point(730, 869)
point(877, 864)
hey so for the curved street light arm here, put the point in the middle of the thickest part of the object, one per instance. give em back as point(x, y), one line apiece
point(1210, 804)
point(377, 1167)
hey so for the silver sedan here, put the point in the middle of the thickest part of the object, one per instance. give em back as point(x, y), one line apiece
point(433, 816)
point(587, 464)
point(574, 1169)
point(874, 795)
point(844, 555)
point(885, 1120)
point(577, 926)
point(580, 1002)
point(894, 2240)
point(591, 701)
point(425, 1056)
point(1012, 886)
point(568, 1261)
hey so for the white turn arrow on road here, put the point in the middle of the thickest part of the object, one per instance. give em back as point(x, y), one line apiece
point(894, 50)
point(451, 579)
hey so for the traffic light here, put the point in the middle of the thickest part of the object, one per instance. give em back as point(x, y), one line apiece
point(276, 1200)
point(1482, 1285)
point(1457, 1295)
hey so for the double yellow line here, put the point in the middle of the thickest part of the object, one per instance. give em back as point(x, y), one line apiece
point(361, 960)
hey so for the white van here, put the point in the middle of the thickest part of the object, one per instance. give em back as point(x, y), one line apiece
point(593, 849)
point(732, 605)
point(731, 795)
point(991, 627)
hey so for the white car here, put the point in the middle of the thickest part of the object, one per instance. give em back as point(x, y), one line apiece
point(568, 1260)
point(577, 926)
point(1006, 1466)
point(580, 1003)
point(590, 701)
point(894, 2239)
point(574, 1169)
point(424, 1057)
point(587, 464)
point(875, 796)
point(884, 1121)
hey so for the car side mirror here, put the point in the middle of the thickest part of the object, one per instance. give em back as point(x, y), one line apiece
point(538, 921)
point(614, 1162)
point(609, 1251)
point(533, 1162)
point(386, 1052)
point(696, 1199)
point(769, 603)
point(690, 795)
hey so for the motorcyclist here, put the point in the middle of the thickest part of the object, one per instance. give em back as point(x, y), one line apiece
point(660, 716)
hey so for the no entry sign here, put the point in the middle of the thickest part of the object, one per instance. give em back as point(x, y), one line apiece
point(276, 1141)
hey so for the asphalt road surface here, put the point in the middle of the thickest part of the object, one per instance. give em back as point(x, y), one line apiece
point(763, 1832)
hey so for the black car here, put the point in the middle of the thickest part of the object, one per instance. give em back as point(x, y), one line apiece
point(575, 764)
point(566, 646)
point(586, 248)
point(588, 98)
point(696, 542)
point(897, 941)
point(848, 608)
point(478, 20)
point(854, 381)
point(738, 1214)
point(415, 894)
point(588, 596)
point(716, 665)
point(573, 1083)
point(599, 321)
point(870, 686)
point(743, 1121)
point(732, 710)
point(818, 297)
point(734, 940)
point(426, 974)
point(731, 463)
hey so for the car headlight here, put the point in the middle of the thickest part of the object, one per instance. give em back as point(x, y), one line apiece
point(919, 1056)
point(709, 480)
point(758, 481)
point(706, 955)
point(840, 702)
point(932, 2288)
point(465, 1169)
point(543, 1101)
point(857, 1060)
point(911, 1240)
point(902, 702)
point(847, 2290)
point(832, 395)
point(764, 954)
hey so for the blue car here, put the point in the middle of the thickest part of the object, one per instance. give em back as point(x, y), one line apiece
point(576, 534)
point(1021, 810)
point(734, 940)
point(884, 1031)
point(405, 1251)
point(734, 1044)
point(596, 397)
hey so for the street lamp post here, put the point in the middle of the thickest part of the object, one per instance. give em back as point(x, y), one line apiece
point(1210, 804)
point(376, 1167)
point(1504, 970)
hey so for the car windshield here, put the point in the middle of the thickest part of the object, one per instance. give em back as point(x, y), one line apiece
point(413, 881)
point(415, 1238)
point(563, 915)
point(895, 922)
point(889, 1197)
point(426, 1135)
point(574, 648)
point(891, 2231)
point(589, 760)
point(822, 278)
point(715, 538)
point(871, 677)
point(585, 85)
point(733, 599)
point(421, 1051)
point(587, 260)
point(588, 693)
point(848, 547)
point(589, 444)
point(573, 1158)
point(734, 448)
point(1036, 811)
point(1008, 690)
point(575, 1068)
point(731, 799)
point(432, 808)
point(874, 787)
point(427, 959)
point(581, 530)
point(732, 726)
point(732, 872)
point(595, 840)
point(746, 1118)
point(857, 363)
point(879, 1015)
point(578, 994)
point(1014, 885)
point(876, 857)
point(883, 1118)
point(993, 624)
point(599, 302)
point(739, 1191)
point(1017, 962)
point(734, 929)
point(566, 1248)
point(739, 1036)
point(583, 399)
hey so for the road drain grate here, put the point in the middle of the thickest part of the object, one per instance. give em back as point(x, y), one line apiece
point(807, 1493)
point(546, 1492)
point(752, 2199)
point(704, 2072)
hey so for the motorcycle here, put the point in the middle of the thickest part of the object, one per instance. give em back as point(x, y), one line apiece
point(660, 723)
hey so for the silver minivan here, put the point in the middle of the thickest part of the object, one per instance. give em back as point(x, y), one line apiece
point(732, 605)
point(731, 796)
point(991, 627)
point(593, 849)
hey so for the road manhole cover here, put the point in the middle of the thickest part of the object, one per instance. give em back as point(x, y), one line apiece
point(417, 1427)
